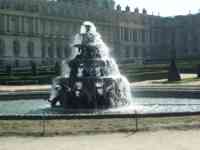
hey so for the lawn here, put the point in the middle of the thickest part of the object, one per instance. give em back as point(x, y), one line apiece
point(74, 127)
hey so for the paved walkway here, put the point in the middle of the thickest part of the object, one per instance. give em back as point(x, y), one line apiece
point(159, 140)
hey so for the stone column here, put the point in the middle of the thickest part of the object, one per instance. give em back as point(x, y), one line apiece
point(120, 33)
point(20, 24)
point(33, 25)
point(5, 23)
point(39, 26)
point(8, 23)
point(36, 26)
point(148, 37)
point(130, 34)
point(137, 36)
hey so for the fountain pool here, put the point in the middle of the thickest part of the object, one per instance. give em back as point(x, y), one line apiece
point(91, 82)
point(141, 105)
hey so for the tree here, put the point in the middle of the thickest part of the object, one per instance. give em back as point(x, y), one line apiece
point(173, 73)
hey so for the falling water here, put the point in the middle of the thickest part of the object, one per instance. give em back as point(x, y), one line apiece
point(105, 54)
point(112, 70)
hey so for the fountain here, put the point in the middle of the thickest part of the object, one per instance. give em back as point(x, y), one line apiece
point(91, 79)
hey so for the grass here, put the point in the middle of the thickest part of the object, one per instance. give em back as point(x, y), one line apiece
point(76, 127)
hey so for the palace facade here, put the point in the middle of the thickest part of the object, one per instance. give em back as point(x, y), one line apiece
point(43, 30)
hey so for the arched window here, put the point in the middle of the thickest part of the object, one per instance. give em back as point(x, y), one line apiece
point(2, 47)
point(59, 51)
point(143, 36)
point(16, 48)
point(30, 25)
point(144, 52)
point(43, 48)
point(50, 50)
point(136, 53)
point(134, 35)
point(127, 52)
point(30, 48)
point(67, 51)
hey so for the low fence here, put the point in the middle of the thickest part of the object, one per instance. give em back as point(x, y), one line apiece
point(46, 124)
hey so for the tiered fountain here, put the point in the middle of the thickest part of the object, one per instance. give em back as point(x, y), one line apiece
point(94, 81)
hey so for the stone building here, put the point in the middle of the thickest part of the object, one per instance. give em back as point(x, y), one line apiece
point(42, 31)
point(182, 35)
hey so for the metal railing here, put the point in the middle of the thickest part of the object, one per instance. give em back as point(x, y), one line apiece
point(137, 118)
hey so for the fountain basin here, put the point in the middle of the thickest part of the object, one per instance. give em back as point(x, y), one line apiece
point(89, 93)
point(143, 105)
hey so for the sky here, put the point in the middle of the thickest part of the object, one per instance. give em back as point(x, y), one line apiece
point(163, 7)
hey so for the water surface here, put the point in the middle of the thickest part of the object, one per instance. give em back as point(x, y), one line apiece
point(141, 105)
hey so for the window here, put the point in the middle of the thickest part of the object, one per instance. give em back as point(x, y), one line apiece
point(126, 34)
point(30, 48)
point(136, 52)
point(2, 47)
point(59, 53)
point(156, 36)
point(121, 33)
point(151, 37)
point(52, 26)
point(44, 26)
point(144, 52)
point(8, 23)
point(22, 24)
point(15, 24)
point(16, 48)
point(37, 26)
point(143, 36)
point(30, 25)
point(127, 52)
point(67, 51)
point(43, 48)
point(59, 50)
point(2, 23)
point(50, 50)
point(134, 36)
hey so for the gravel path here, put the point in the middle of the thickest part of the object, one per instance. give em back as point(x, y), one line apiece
point(159, 140)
